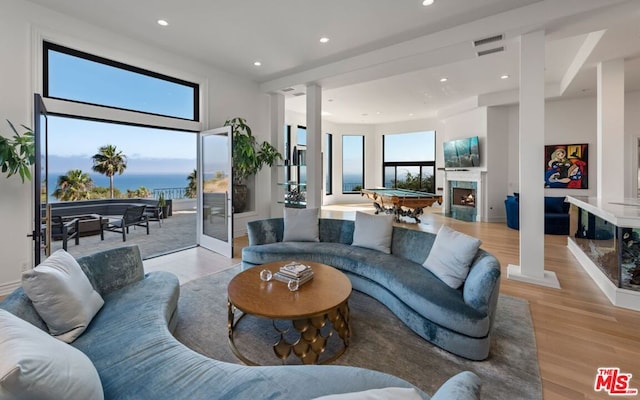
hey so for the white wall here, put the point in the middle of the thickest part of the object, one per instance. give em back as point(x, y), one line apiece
point(566, 122)
point(225, 96)
point(495, 151)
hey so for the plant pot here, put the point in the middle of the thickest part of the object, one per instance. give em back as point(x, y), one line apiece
point(240, 198)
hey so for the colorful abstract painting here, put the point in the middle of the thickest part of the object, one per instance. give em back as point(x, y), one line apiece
point(566, 166)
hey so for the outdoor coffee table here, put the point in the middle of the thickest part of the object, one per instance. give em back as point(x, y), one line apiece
point(317, 311)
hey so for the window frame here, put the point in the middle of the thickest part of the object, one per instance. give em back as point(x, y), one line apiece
point(419, 164)
point(47, 45)
point(328, 179)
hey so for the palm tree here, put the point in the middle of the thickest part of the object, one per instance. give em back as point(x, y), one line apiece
point(109, 161)
point(192, 187)
point(75, 185)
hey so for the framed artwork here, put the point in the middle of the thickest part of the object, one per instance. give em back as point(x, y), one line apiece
point(566, 166)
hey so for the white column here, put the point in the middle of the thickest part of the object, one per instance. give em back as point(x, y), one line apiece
point(314, 146)
point(276, 102)
point(531, 136)
point(610, 136)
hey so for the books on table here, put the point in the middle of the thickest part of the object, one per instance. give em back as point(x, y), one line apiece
point(294, 271)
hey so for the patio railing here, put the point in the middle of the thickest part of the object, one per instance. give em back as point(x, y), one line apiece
point(170, 193)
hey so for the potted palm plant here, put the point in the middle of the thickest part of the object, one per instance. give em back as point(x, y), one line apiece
point(249, 157)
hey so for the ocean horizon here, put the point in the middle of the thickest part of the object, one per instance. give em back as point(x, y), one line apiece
point(129, 181)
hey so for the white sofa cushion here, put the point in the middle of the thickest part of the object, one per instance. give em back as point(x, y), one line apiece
point(62, 295)
point(373, 231)
point(451, 256)
point(36, 366)
point(390, 393)
point(301, 225)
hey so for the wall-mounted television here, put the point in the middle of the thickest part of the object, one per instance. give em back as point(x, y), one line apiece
point(462, 153)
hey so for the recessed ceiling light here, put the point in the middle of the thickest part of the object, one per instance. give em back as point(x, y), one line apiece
point(162, 22)
point(427, 2)
point(505, 76)
point(443, 79)
point(324, 39)
point(377, 112)
point(257, 63)
point(411, 114)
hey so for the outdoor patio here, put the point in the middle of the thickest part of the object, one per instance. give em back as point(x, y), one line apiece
point(177, 232)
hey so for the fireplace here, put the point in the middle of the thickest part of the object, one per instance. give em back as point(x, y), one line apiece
point(463, 194)
point(463, 197)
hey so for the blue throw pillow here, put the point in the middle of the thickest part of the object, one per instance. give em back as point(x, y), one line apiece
point(554, 205)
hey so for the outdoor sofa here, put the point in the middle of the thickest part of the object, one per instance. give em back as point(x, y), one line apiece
point(129, 342)
point(89, 212)
point(457, 320)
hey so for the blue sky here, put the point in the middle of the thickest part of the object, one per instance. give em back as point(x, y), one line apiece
point(72, 142)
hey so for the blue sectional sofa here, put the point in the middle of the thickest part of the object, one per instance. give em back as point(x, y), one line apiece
point(130, 343)
point(457, 320)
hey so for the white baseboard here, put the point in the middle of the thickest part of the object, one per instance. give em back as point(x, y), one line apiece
point(514, 272)
point(6, 288)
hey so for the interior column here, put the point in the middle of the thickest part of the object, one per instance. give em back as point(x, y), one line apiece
point(531, 150)
point(276, 102)
point(314, 146)
point(610, 135)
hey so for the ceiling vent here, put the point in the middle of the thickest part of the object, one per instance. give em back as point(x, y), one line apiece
point(289, 89)
point(490, 51)
point(299, 94)
point(488, 40)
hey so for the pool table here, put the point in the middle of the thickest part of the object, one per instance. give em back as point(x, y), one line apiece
point(401, 202)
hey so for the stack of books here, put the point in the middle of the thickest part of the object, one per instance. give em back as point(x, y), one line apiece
point(294, 271)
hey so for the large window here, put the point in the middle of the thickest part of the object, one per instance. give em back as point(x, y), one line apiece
point(352, 163)
point(409, 161)
point(81, 77)
point(328, 161)
point(153, 137)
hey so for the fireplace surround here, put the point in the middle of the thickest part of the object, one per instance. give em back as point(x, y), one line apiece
point(458, 185)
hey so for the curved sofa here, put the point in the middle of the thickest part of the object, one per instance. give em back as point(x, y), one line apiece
point(457, 320)
point(130, 343)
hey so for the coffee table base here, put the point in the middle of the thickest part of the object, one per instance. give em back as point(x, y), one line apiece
point(310, 342)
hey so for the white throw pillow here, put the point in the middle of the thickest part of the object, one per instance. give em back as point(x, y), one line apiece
point(62, 295)
point(451, 255)
point(36, 366)
point(390, 393)
point(301, 225)
point(373, 231)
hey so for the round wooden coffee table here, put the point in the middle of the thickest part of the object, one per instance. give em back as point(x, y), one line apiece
point(317, 307)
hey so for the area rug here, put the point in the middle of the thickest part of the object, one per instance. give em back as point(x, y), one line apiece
point(379, 341)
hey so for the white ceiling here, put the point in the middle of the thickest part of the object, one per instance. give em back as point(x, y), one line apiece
point(385, 57)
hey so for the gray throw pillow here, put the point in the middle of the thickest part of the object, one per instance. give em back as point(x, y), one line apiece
point(373, 231)
point(36, 366)
point(62, 295)
point(451, 255)
point(301, 225)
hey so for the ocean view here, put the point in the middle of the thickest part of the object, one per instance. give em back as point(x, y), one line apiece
point(129, 181)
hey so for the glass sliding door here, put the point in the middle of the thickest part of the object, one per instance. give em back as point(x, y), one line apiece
point(215, 212)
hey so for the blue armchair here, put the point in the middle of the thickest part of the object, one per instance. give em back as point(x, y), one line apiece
point(556, 214)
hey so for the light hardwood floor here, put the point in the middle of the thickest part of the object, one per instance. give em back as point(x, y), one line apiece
point(577, 330)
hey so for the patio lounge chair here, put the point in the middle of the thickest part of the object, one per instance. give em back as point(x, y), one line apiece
point(133, 216)
point(65, 230)
point(154, 213)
